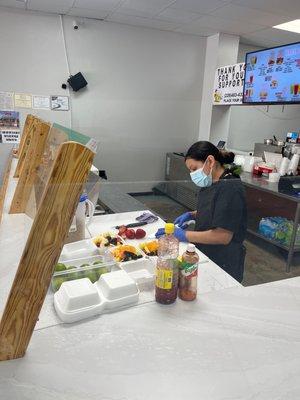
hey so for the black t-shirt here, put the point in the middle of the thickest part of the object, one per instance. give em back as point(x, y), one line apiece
point(223, 205)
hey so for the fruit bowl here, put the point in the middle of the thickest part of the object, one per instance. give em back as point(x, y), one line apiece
point(91, 268)
point(125, 252)
point(107, 239)
point(150, 248)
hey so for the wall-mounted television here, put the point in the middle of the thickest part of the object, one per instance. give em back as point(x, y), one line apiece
point(272, 76)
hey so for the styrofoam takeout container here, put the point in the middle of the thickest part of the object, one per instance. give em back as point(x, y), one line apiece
point(142, 271)
point(80, 299)
point(80, 249)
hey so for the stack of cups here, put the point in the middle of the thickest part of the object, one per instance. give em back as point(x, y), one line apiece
point(284, 166)
point(292, 170)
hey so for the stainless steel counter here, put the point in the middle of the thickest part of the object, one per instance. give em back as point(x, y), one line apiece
point(262, 183)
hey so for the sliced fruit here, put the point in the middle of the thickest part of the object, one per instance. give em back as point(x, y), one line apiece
point(122, 230)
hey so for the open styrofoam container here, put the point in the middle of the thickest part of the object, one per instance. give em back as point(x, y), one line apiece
point(80, 249)
point(142, 271)
point(80, 299)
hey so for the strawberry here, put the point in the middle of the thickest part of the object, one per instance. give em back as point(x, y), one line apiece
point(130, 234)
point(140, 234)
point(122, 231)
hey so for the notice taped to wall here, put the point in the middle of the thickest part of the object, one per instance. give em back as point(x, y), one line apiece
point(41, 102)
point(6, 101)
point(10, 136)
point(23, 100)
point(228, 86)
point(9, 119)
point(59, 103)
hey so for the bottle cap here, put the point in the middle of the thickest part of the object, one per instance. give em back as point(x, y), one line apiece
point(169, 229)
point(83, 197)
point(191, 248)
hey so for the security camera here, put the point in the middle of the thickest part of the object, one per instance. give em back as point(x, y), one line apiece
point(75, 25)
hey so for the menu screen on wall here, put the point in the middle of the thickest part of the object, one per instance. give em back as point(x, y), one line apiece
point(272, 76)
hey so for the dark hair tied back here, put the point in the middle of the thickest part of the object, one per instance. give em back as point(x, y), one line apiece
point(199, 151)
point(226, 157)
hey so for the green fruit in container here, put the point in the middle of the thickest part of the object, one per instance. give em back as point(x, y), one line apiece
point(60, 267)
point(70, 267)
point(101, 271)
point(79, 274)
point(84, 265)
point(57, 282)
point(97, 262)
point(91, 275)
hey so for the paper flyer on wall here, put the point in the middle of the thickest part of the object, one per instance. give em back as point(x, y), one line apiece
point(10, 136)
point(23, 100)
point(6, 101)
point(74, 136)
point(9, 119)
point(60, 103)
point(228, 85)
point(41, 102)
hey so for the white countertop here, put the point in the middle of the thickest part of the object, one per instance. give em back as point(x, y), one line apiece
point(230, 344)
point(233, 344)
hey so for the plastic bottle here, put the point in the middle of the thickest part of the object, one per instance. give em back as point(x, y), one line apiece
point(188, 273)
point(80, 220)
point(166, 283)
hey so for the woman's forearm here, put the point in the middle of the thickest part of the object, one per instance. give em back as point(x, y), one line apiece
point(212, 236)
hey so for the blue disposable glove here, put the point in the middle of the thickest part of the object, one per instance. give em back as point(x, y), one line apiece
point(182, 219)
point(179, 233)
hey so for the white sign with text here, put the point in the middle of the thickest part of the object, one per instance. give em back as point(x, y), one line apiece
point(228, 86)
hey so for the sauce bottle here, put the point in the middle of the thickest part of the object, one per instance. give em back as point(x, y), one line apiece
point(166, 282)
point(188, 273)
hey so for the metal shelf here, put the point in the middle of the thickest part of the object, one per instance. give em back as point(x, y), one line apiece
point(282, 246)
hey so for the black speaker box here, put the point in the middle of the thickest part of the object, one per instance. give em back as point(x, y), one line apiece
point(77, 82)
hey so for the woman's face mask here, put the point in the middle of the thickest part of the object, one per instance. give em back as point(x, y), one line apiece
point(200, 178)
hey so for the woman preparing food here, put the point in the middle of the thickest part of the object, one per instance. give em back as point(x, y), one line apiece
point(221, 216)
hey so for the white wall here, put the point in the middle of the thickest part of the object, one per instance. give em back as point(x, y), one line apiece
point(32, 58)
point(250, 124)
point(144, 91)
point(221, 115)
point(143, 96)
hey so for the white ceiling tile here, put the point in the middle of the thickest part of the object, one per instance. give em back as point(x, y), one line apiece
point(13, 3)
point(139, 21)
point(280, 35)
point(257, 41)
point(227, 25)
point(106, 5)
point(200, 6)
point(278, 7)
point(196, 30)
point(179, 16)
point(83, 12)
point(55, 6)
point(272, 36)
point(143, 8)
point(241, 13)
